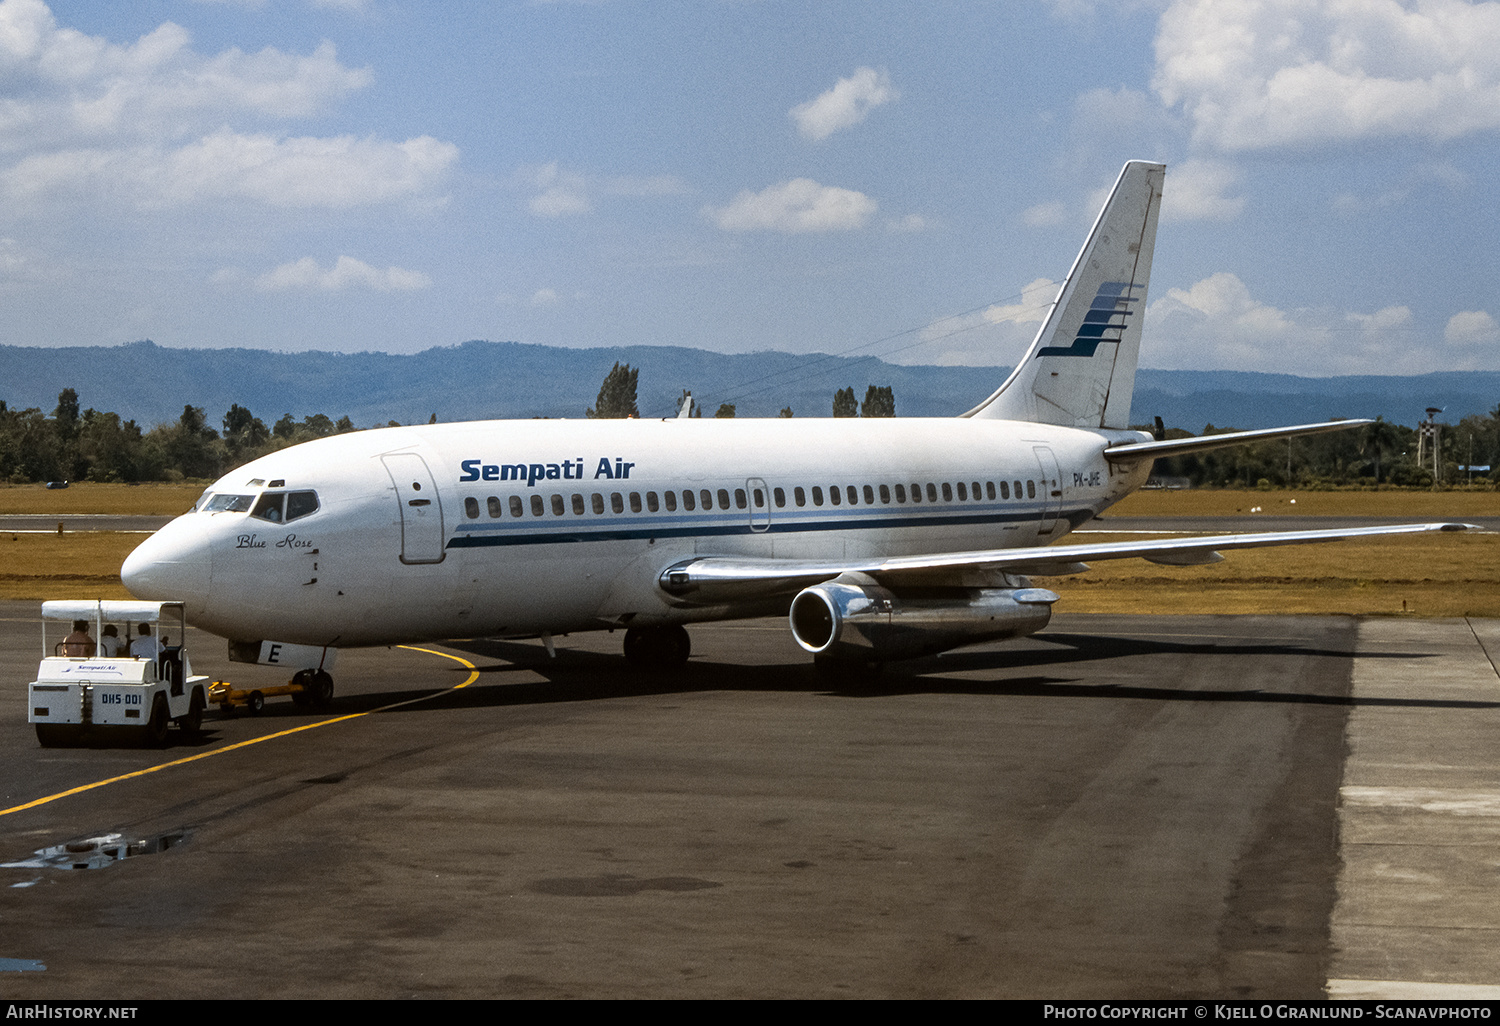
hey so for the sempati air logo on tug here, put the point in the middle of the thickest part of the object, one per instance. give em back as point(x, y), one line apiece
point(531, 473)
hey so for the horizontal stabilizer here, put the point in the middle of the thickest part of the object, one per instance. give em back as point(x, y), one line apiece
point(1177, 446)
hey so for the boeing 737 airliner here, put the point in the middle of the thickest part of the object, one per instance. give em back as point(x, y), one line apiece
point(884, 539)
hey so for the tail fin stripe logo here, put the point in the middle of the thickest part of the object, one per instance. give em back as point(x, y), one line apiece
point(1107, 313)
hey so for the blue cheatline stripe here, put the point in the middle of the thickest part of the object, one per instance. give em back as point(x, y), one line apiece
point(634, 530)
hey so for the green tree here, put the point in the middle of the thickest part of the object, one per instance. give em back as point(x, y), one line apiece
point(1381, 439)
point(245, 435)
point(725, 411)
point(65, 417)
point(844, 403)
point(113, 451)
point(786, 413)
point(879, 402)
point(190, 448)
point(617, 395)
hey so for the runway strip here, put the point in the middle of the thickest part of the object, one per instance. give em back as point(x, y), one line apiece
point(1418, 912)
point(473, 676)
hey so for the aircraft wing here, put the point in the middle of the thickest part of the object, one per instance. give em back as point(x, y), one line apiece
point(1176, 446)
point(710, 580)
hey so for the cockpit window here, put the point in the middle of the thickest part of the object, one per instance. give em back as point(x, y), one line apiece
point(225, 503)
point(270, 507)
point(201, 500)
point(284, 507)
point(300, 504)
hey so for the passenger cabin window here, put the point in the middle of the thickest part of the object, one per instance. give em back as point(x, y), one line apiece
point(671, 498)
point(471, 508)
point(687, 500)
point(577, 505)
point(779, 494)
point(493, 506)
point(799, 495)
point(557, 505)
point(515, 506)
point(536, 506)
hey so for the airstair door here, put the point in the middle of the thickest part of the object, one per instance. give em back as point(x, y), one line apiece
point(421, 508)
point(760, 505)
point(1051, 485)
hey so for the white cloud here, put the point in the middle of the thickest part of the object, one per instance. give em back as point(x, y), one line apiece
point(337, 172)
point(1271, 73)
point(346, 273)
point(544, 297)
point(990, 337)
point(909, 224)
point(1044, 215)
point(65, 88)
point(1195, 192)
point(1417, 180)
point(848, 103)
point(1218, 324)
point(1471, 327)
point(562, 193)
point(800, 205)
point(154, 122)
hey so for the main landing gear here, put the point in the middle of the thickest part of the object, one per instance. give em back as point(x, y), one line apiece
point(657, 647)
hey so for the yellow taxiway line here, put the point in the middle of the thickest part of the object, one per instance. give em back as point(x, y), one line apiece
point(473, 676)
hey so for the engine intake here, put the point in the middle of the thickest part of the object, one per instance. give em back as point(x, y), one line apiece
point(852, 617)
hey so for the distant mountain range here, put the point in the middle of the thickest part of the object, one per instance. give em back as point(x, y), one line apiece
point(476, 380)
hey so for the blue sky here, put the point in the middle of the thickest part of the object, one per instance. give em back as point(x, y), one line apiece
point(903, 179)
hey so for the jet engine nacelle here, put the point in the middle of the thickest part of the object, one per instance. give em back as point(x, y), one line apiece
point(854, 618)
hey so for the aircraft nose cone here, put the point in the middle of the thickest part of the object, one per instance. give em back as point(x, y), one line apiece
point(171, 565)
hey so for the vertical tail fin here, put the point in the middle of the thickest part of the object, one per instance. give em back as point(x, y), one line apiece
point(1080, 369)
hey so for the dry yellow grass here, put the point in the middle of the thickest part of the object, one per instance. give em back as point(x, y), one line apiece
point(49, 566)
point(1227, 502)
point(1427, 575)
point(86, 497)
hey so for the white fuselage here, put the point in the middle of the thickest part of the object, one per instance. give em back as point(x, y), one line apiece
point(522, 527)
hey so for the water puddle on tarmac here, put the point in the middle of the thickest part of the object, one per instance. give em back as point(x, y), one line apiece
point(98, 852)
